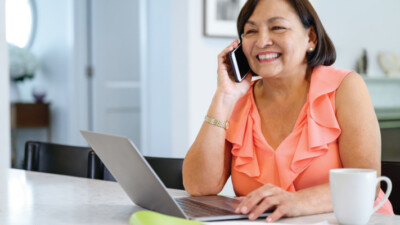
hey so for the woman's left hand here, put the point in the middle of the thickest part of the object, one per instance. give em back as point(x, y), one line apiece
point(267, 197)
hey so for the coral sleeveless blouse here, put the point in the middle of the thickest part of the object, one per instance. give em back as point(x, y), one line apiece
point(305, 156)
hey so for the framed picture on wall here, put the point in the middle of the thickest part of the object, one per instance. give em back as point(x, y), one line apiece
point(220, 17)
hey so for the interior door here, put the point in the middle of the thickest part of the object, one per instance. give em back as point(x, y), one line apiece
point(115, 60)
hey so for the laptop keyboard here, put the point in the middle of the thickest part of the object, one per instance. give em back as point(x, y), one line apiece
point(197, 209)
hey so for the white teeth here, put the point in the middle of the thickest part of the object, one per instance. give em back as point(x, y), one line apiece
point(268, 56)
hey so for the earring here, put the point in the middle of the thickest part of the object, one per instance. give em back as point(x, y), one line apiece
point(311, 49)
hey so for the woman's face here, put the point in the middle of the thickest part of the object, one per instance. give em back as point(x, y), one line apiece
point(274, 40)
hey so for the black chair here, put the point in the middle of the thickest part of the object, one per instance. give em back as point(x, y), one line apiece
point(62, 159)
point(169, 170)
point(392, 170)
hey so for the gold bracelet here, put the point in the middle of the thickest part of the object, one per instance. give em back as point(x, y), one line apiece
point(216, 122)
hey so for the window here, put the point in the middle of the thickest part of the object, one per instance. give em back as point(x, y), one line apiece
point(20, 22)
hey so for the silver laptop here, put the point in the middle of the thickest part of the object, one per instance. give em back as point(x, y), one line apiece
point(145, 188)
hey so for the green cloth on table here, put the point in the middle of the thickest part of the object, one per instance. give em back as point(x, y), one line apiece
point(153, 218)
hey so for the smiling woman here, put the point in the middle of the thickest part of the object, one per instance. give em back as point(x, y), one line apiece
point(291, 126)
point(20, 22)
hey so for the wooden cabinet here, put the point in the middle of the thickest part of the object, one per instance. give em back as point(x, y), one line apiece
point(30, 115)
point(27, 115)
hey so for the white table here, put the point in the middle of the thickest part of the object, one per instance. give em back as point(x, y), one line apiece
point(40, 198)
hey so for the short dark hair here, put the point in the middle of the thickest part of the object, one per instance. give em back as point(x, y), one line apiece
point(324, 53)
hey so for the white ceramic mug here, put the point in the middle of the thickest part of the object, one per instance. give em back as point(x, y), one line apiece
point(353, 194)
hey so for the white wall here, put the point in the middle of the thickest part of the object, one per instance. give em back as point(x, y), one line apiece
point(158, 77)
point(179, 78)
point(361, 24)
point(365, 24)
point(78, 85)
point(54, 45)
point(4, 94)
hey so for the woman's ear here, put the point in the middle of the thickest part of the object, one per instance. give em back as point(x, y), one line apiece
point(312, 37)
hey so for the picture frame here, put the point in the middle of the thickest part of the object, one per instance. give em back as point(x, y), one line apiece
point(220, 17)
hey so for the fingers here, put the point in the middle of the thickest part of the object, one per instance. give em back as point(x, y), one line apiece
point(265, 205)
point(264, 199)
point(248, 77)
point(230, 47)
point(240, 198)
point(222, 57)
point(277, 214)
point(225, 71)
point(268, 204)
point(255, 197)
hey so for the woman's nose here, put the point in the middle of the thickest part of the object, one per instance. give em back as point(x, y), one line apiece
point(263, 40)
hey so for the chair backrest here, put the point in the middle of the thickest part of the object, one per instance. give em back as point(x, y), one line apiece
point(169, 170)
point(392, 170)
point(62, 159)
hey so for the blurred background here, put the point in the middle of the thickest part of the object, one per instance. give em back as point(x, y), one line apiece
point(146, 69)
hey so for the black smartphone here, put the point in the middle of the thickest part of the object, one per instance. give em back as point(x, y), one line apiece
point(239, 63)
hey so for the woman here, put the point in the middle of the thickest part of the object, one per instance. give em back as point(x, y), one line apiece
point(289, 128)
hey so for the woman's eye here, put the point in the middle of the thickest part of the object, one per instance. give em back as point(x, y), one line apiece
point(249, 32)
point(277, 28)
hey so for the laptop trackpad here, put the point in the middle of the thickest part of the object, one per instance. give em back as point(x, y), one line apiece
point(220, 202)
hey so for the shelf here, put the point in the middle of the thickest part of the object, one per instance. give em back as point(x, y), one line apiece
point(381, 79)
point(388, 113)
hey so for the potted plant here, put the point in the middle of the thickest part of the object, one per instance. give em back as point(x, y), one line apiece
point(23, 65)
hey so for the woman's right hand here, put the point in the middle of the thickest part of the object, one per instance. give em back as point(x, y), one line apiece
point(226, 84)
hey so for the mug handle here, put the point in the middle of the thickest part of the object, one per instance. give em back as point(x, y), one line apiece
point(388, 190)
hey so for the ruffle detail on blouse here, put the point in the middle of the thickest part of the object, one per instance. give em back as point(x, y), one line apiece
point(315, 129)
point(321, 127)
point(242, 139)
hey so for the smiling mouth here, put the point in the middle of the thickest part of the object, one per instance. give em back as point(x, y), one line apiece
point(268, 57)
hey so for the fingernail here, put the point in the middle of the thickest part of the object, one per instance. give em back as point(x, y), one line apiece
point(269, 219)
point(237, 210)
point(244, 209)
point(251, 216)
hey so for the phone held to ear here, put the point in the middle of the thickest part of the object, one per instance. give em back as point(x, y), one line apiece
point(239, 63)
